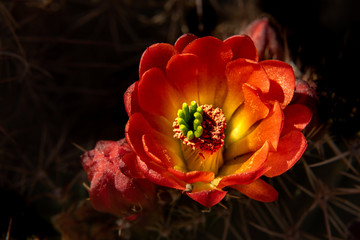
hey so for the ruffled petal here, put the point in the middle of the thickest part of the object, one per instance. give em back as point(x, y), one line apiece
point(296, 116)
point(258, 190)
point(213, 56)
point(282, 81)
point(269, 129)
point(150, 144)
point(159, 175)
point(157, 56)
point(242, 47)
point(193, 176)
point(164, 150)
point(239, 72)
point(153, 168)
point(157, 122)
point(182, 70)
point(244, 169)
point(206, 194)
point(135, 128)
point(253, 110)
point(183, 41)
point(157, 96)
point(290, 149)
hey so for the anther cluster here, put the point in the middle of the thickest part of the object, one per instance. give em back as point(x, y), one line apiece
point(190, 120)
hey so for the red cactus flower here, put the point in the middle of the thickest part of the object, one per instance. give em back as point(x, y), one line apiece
point(206, 115)
point(117, 185)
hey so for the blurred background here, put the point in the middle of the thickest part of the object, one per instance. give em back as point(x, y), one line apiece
point(65, 65)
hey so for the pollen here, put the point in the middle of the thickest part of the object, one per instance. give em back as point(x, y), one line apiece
point(212, 125)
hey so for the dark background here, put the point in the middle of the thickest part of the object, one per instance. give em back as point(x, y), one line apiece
point(65, 64)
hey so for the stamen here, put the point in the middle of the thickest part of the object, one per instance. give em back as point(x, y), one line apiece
point(189, 120)
point(202, 136)
point(186, 112)
point(207, 129)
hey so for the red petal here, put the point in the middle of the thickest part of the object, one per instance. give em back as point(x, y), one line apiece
point(193, 176)
point(135, 128)
point(243, 47)
point(290, 149)
point(183, 41)
point(159, 175)
point(253, 110)
point(157, 96)
point(208, 198)
point(282, 81)
point(213, 56)
point(245, 169)
point(297, 116)
point(239, 72)
point(163, 150)
point(258, 190)
point(131, 99)
point(182, 70)
point(156, 55)
point(129, 167)
point(269, 129)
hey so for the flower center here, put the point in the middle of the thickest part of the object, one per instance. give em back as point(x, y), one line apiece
point(201, 129)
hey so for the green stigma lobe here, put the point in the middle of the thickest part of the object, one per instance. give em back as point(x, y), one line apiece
point(184, 129)
point(182, 122)
point(190, 120)
point(199, 131)
point(190, 135)
point(181, 114)
point(193, 107)
point(185, 109)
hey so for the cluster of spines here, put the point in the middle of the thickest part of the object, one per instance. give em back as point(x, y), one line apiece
point(190, 120)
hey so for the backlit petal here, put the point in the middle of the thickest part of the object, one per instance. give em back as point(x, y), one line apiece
point(157, 96)
point(159, 175)
point(153, 168)
point(135, 128)
point(193, 176)
point(157, 56)
point(239, 72)
point(258, 190)
point(268, 130)
point(244, 169)
point(253, 110)
point(282, 81)
point(183, 41)
point(296, 116)
point(182, 70)
point(213, 56)
point(206, 194)
point(291, 147)
point(163, 150)
point(243, 47)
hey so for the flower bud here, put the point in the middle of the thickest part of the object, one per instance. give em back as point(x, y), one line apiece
point(265, 38)
point(116, 184)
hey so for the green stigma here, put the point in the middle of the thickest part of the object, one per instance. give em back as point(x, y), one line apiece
point(190, 120)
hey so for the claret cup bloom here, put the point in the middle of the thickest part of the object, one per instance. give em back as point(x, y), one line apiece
point(207, 116)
